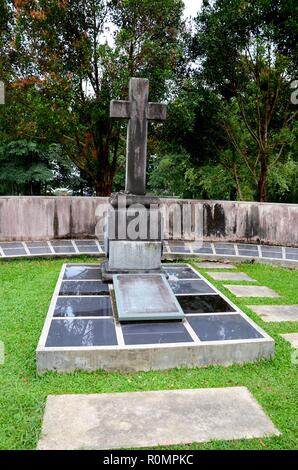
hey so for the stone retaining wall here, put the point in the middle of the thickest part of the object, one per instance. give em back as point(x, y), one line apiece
point(45, 218)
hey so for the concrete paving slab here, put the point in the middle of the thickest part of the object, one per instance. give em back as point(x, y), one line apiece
point(211, 265)
point(292, 338)
point(228, 276)
point(276, 313)
point(251, 291)
point(148, 419)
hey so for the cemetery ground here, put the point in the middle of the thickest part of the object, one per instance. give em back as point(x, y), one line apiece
point(26, 289)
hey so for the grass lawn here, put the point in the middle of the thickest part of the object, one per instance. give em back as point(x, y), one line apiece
point(26, 287)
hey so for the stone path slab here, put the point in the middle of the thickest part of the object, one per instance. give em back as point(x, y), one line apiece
point(276, 313)
point(228, 276)
point(148, 419)
point(292, 338)
point(251, 291)
point(211, 265)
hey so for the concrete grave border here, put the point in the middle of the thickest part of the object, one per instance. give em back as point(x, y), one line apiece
point(146, 357)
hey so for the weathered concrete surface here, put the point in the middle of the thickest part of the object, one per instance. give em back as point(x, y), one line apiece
point(292, 338)
point(251, 291)
point(214, 265)
point(127, 255)
point(254, 222)
point(276, 313)
point(160, 357)
point(275, 224)
point(145, 297)
point(43, 218)
point(138, 111)
point(227, 276)
point(148, 419)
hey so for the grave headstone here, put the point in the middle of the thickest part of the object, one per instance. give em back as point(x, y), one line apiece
point(133, 232)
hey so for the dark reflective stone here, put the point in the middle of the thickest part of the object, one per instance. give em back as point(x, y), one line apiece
point(179, 249)
point(204, 304)
point(271, 254)
point(83, 307)
point(11, 245)
point(39, 251)
point(176, 243)
point(88, 249)
point(292, 251)
point(225, 246)
point(85, 242)
point(248, 253)
point(82, 333)
point(184, 272)
point(190, 287)
point(61, 243)
point(222, 327)
point(201, 245)
point(225, 251)
point(154, 333)
point(292, 256)
point(41, 244)
point(14, 252)
point(64, 249)
point(202, 250)
point(271, 248)
point(83, 288)
point(82, 272)
point(243, 246)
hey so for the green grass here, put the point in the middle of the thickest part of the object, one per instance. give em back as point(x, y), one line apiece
point(26, 287)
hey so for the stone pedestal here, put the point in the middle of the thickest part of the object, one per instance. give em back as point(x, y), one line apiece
point(126, 255)
point(133, 235)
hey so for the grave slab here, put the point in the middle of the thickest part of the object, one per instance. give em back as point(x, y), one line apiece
point(82, 331)
point(251, 291)
point(145, 297)
point(211, 265)
point(276, 313)
point(292, 338)
point(227, 276)
point(148, 419)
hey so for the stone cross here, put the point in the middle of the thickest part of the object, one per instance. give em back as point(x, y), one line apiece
point(138, 110)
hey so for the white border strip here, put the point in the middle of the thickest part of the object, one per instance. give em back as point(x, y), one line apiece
point(50, 314)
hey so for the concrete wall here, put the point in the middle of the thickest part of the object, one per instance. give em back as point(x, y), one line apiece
point(37, 218)
point(45, 218)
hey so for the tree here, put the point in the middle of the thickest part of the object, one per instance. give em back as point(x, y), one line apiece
point(26, 166)
point(77, 73)
point(241, 59)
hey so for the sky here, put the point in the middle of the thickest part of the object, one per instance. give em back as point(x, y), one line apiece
point(192, 7)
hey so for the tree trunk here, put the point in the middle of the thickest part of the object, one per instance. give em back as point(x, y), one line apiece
point(103, 186)
point(262, 185)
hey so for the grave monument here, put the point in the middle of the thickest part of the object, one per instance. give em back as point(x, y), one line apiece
point(134, 228)
point(133, 240)
point(132, 313)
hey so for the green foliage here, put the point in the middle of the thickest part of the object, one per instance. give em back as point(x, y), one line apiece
point(231, 130)
point(283, 182)
point(24, 165)
point(210, 182)
point(71, 77)
point(252, 78)
point(168, 175)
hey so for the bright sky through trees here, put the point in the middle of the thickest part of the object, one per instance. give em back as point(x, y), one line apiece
point(192, 7)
